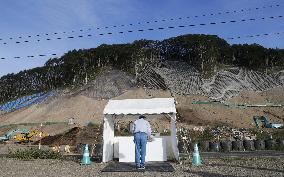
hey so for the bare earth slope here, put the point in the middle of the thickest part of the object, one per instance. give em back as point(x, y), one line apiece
point(218, 114)
point(60, 109)
point(87, 103)
point(85, 109)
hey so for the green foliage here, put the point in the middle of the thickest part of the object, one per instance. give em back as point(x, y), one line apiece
point(278, 133)
point(34, 153)
point(122, 133)
point(166, 133)
point(255, 56)
point(93, 125)
point(207, 53)
point(200, 50)
point(53, 123)
point(264, 134)
point(197, 136)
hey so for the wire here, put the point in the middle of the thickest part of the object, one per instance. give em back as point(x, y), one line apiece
point(200, 24)
point(163, 28)
point(140, 23)
point(229, 38)
point(256, 35)
point(32, 56)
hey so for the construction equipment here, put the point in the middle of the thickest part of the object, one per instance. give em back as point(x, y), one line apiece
point(22, 135)
point(262, 121)
point(9, 135)
point(29, 136)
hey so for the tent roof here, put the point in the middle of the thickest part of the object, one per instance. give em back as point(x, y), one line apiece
point(141, 106)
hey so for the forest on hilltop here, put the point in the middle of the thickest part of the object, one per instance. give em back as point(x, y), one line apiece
point(207, 53)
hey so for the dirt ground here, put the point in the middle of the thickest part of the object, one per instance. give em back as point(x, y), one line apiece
point(213, 167)
point(74, 136)
point(85, 110)
point(239, 117)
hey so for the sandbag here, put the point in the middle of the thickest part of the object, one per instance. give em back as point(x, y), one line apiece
point(226, 146)
point(249, 145)
point(259, 144)
point(237, 146)
point(204, 146)
point(214, 146)
point(270, 144)
point(280, 143)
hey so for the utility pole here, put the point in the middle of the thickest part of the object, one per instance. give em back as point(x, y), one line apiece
point(40, 134)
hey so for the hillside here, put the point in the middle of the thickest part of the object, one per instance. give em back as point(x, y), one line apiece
point(208, 54)
point(191, 68)
point(84, 105)
point(181, 78)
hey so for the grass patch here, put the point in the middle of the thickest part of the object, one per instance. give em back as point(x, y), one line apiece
point(93, 125)
point(34, 153)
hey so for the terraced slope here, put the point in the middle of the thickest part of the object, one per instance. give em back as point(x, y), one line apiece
point(183, 79)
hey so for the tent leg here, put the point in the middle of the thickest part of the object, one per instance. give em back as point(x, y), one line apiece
point(108, 135)
point(174, 137)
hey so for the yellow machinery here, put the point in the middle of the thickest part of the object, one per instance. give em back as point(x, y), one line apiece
point(30, 136)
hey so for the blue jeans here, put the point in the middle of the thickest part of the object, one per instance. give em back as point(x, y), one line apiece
point(140, 140)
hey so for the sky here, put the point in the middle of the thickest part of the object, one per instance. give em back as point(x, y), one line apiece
point(53, 19)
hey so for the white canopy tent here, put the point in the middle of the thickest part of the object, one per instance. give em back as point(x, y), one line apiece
point(137, 107)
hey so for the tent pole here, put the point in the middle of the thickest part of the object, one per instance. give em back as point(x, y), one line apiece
point(174, 137)
point(108, 135)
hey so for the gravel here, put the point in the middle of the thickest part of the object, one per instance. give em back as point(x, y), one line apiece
point(220, 167)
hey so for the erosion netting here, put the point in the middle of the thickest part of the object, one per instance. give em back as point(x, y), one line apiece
point(181, 78)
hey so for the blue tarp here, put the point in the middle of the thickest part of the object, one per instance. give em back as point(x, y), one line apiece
point(25, 101)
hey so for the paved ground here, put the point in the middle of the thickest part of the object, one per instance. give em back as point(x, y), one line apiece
point(220, 167)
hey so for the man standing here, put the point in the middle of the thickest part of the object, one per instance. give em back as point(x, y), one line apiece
point(142, 131)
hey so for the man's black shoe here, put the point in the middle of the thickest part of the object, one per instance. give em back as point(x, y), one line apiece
point(142, 168)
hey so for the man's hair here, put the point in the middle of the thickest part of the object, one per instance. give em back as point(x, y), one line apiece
point(142, 117)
